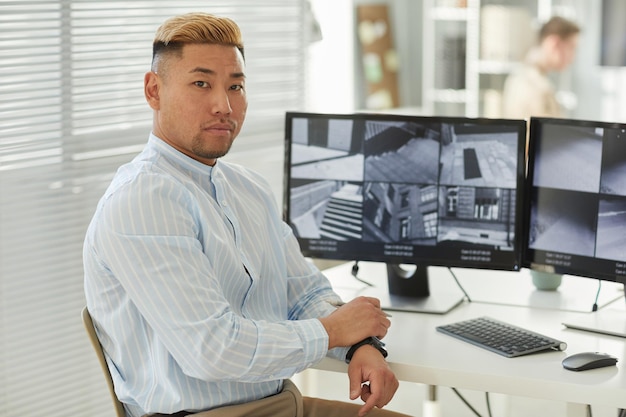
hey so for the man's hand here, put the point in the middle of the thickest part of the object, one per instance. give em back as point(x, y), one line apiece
point(368, 365)
point(355, 321)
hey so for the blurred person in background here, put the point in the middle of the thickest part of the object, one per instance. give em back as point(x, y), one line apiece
point(528, 91)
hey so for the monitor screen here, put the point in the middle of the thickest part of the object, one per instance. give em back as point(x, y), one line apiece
point(576, 198)
point(406, 189)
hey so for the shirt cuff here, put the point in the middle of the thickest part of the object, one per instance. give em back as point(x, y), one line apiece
point(315, 340)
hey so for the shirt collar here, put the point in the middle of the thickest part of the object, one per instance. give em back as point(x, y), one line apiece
point(180, 158)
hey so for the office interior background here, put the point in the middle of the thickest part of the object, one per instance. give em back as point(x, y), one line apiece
point(72, 110)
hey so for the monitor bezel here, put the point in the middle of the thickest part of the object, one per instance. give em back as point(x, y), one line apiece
point(511, 263)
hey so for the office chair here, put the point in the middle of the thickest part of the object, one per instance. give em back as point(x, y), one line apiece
point(93, 337)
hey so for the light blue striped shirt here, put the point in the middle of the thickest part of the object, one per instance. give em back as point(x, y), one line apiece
point(198, 289)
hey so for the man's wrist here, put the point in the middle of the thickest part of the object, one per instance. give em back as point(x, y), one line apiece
point(371, 341)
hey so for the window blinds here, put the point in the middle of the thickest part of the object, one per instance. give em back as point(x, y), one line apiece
point(71, 111)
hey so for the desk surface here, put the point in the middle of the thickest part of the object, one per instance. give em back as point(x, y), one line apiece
point(418, 353)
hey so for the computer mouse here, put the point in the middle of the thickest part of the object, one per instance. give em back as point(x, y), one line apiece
point(588, 360)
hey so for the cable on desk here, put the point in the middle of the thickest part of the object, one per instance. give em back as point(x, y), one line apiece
point(488, 402)
point(595, 304)
point(355, 272)
point(466, 402)
point(459, 284)
point(621, 412)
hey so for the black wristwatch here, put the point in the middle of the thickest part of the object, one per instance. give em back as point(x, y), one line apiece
point(372, 341)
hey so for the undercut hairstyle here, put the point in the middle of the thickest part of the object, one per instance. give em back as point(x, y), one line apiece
point(559, 26)
point(193, 28)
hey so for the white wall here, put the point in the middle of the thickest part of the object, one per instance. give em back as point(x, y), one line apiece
point(330, 74)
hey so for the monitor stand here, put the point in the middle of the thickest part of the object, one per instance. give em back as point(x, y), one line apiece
point(409, 290)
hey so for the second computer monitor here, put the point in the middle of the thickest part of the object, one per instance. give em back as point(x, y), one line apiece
point(576, 198)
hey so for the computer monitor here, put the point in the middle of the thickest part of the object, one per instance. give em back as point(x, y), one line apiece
point(576, 199)
point(398, 189)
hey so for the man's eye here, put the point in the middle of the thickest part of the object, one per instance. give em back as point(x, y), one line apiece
point(236, 87)
point(202, 84)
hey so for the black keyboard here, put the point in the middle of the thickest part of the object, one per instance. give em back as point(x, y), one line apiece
point(502, 338)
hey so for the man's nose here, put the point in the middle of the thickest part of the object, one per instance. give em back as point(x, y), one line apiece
point(221, 103)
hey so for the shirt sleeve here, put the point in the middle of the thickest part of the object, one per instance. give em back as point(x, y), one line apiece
point(310, 291)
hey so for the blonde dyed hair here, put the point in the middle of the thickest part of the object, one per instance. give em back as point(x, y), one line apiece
point(194, 28)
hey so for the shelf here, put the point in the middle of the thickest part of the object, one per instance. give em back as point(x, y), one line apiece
point(449, 96)
point(495, 67)
point(447, 22)
point(449, 13)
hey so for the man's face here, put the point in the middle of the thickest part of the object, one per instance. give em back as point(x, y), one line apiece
point(199, 100)
point(566, 52)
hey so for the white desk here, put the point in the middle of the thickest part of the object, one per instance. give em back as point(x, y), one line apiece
point(418, 353)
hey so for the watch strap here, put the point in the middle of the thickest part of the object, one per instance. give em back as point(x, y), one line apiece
point(372, 341)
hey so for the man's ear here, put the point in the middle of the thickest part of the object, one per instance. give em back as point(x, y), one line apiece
point(151, 86)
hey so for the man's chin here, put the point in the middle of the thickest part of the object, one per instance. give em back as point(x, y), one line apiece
point(219, 149)
point(212, 154)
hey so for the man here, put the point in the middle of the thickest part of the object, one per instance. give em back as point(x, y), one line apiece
point(528, 91)
point(199, 293)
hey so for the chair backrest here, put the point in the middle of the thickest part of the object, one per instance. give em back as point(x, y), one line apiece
point(93, 337)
